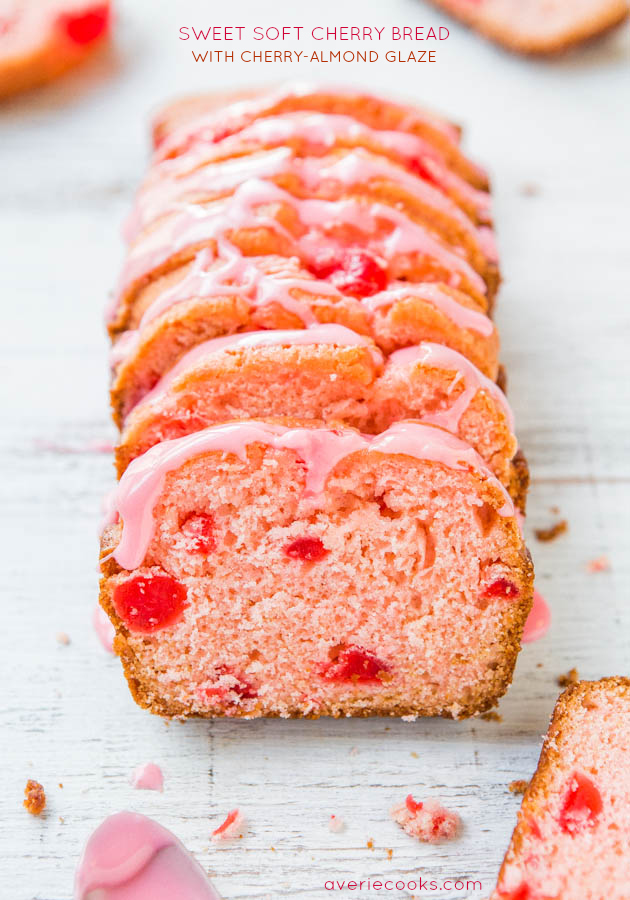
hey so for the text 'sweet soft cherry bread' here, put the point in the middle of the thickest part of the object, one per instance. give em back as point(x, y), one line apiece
point(321, 486)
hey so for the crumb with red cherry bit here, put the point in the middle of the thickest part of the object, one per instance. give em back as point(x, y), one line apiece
point(34, 798)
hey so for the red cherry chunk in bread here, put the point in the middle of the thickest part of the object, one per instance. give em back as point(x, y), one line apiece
point(522, 892)
point(581, 806)
point(355, 664)
point(352, 270)
point(502, 587)
point(86, 25)
point(308, 549)
point(419, 167)
point(198, 529)
point(412, 805)
point(149, 603)
point(230, 819)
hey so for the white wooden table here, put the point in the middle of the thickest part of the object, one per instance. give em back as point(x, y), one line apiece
point(70, 157)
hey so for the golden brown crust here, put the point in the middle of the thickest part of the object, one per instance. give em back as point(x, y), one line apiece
point(537, 792)
point(519, 481)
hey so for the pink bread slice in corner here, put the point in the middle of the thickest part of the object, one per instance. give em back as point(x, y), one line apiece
point(572, 840)
point(538, 26)
point(273, 568)
point(41, 39)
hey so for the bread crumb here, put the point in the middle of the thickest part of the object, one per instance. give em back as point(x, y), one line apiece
point(554, 531)
point(232, 827)
point(414, 754)
point(34, 797)
point(370, 844)
point(60, 784)
point(389, 852)
point(599, 564)
point(336, 824)
point(63, 638)
point(492, 716)
point(429, 821)
point(570, 677)
point(519, 786)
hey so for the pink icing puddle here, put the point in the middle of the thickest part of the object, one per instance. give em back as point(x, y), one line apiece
point(538, 621)
point(147, 778)
point(104, 629)
point(131, 857)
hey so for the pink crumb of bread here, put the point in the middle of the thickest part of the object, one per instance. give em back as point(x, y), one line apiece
point(232, 827)
point(427, 821)
point(336, 824)
point(599, 564)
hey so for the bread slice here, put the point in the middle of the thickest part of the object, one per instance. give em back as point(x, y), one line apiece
point(231, 293)
point(330, 373)
point(260, 218)
point(571, 840)
point(341, 175)
point(277, 568)
point(42, 39)
point(313, 134)
point(211, 117)
point(538, 26)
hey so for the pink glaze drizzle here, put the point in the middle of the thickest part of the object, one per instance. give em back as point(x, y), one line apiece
point(338, 335)
point(196, 224)
point(147, 777)
point(319, 448)
point(104, 629)
point(132, 857)
point(461, 315)
point(325, 130)
point(538, 621)
point(356, 167)
point(441, 357)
